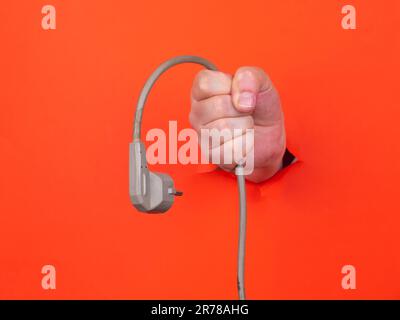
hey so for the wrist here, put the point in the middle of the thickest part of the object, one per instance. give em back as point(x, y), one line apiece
point(261, 174)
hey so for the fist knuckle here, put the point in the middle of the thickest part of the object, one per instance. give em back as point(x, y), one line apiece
point(246, 72)
point(204, 84)
point(205, 78)
point(252, 73)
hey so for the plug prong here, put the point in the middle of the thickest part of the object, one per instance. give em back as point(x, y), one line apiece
point(178, 193)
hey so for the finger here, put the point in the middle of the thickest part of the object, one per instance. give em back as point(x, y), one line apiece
point(247, 84)
point(235, 126)
point(222, 130)
point(229, 154)
point(208, 83)
point(211, 109)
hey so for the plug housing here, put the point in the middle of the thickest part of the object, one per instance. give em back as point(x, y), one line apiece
point(149, 191)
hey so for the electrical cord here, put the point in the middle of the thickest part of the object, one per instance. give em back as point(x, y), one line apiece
point(239, 171)
point(153, 78)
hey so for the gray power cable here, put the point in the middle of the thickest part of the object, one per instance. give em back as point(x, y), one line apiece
point(238, 171)
point(153, 78)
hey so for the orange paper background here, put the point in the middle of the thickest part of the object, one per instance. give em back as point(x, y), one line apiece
point(67, 99)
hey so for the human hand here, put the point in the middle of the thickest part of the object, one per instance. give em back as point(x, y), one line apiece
point(248, 100)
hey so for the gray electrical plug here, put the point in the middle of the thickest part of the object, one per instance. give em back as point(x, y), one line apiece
point(149, 191)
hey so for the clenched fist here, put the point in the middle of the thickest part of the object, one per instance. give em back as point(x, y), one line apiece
point(248, 100)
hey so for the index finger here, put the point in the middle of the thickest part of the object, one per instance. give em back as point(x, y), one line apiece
point(208, 83)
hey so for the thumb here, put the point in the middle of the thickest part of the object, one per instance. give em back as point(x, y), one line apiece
point(247, 83)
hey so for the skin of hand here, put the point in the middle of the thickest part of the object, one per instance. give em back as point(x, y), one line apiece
point(247, 100)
